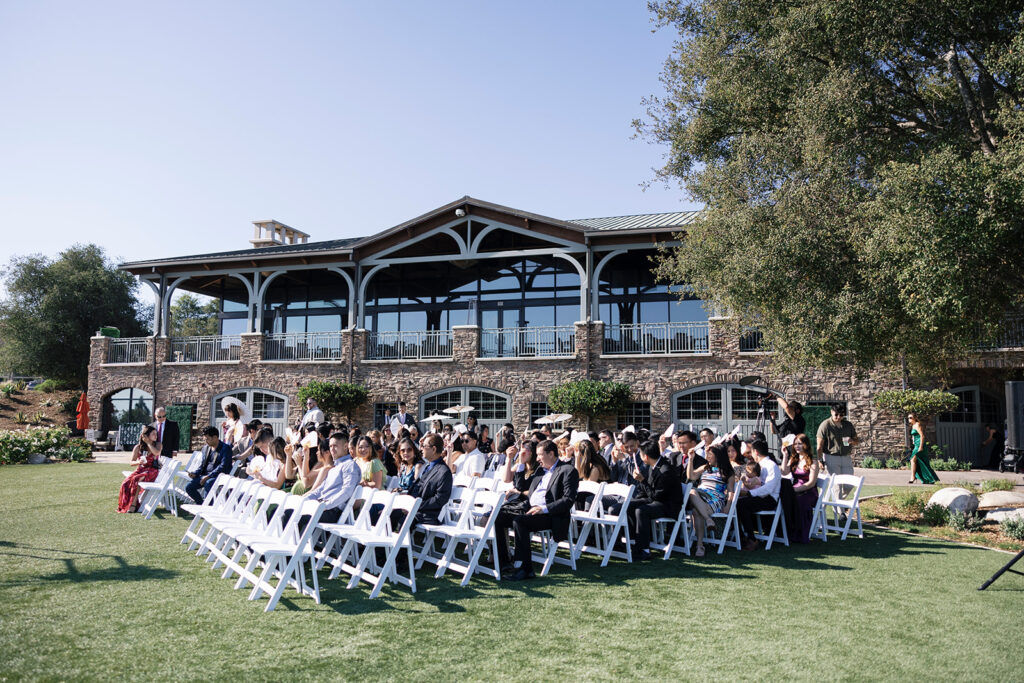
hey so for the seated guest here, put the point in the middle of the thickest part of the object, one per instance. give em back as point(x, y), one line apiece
point(436, 427)
point(314, 464)
point(751, 475)
point(471, 462)
point(146, 455)
point(565, 453)
point(763, 498)
point(589, 464)
point(626, 459)
point(370, 465)
point(714, 493)
point(606, 441)
point(505, 449)
point(551, 498)
point(410, 464)
point(434, 485)
point(242, 451)
point(268, 469)
point(341, 480)
point(706, 437)
point(799, 462)
point(685, 442)
point(658, 494)
point(520, 469)
point(216, 460)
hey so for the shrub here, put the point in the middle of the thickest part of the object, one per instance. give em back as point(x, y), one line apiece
point(1013, 527)
point(996, 485)
point(871, 463)
point(907, 501)
point(962, 484)
point(20, 418)
point(53, 442)
point(935, 514)
point(340, 398)
point(590, 398)
point(924, 404)
point(69, 406)
point(48, 386)
point(893, 464)
point(963, 521)
point(20, 385)
point(8, 390)
point(46, 403)
point(39, 418)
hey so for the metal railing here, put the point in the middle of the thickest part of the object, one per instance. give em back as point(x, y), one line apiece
point(506, 342)
point(205, 349)
point(419, 345)
point(656, 338)
point(752, 340)
point(1011, 335)
point(302, 346)
point(129, 350)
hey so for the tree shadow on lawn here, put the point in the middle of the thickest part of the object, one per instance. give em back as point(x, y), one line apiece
point(121, 571)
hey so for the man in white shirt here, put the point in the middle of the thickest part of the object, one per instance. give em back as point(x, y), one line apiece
point(340, 483)
point(763, 498)
point(472, 462)
point(313, 414)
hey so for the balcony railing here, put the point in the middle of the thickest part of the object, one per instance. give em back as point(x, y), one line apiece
point(752, 340)
point(302, 346)
point(506, 342)
point(205, 349)
point(1011, 335)
point(656, 338)
point(131, 350)
point(421, 345)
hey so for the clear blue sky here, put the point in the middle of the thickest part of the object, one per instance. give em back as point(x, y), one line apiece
point(164, 128)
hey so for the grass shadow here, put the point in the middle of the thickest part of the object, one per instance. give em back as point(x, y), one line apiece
point(122, 570)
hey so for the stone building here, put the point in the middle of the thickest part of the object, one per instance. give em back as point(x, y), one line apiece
point(480, 304)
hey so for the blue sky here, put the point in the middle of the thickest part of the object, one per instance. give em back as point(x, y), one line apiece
point(158, 129)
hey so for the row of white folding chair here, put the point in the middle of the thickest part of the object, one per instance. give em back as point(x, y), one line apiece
point(226, 494)
point(842, 499)
point(361, 540)
point(607, 529)
point(182, 478)
point(473, 527)
point(818, 530)
point(160, 491)
point(730, 535)
point(682, 530)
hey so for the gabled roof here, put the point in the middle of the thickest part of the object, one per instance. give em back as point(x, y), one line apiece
point(327, 246)
point(642, 221)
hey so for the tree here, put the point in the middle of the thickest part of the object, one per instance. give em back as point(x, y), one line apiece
point(192, 318)
point(862, 167)
point(590, 398)
point(924, 404)
point(339, 398)
point(53, 307)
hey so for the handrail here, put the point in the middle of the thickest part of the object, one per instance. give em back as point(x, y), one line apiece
point(507, 342)
point(206, 349)
point(656, 338)
point(303, 346)
point(127, 350)
point(414, 345)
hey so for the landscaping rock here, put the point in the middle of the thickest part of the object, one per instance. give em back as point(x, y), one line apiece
point(955, 500)
point(1009, 513)
point(1000, 499)
point(38, 459)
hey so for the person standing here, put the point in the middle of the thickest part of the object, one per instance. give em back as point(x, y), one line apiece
point(920, 464)
point(313, 414)
point(166, 433)
point(836, 439)
point(402, 418)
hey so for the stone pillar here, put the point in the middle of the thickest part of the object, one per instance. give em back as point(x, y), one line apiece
point(596, 338)
point(252, 348)
point(582, 341)
point(465, 344)
point(359, 338)
point(98, 347)
point(157, 349)
point(721, 340)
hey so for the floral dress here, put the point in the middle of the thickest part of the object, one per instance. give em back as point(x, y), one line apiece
point(146, 471)
point(712, 489)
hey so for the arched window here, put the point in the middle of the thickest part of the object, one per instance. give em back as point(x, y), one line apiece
point(723, 407)
point(491, 408)
point(130, 405)
point(268, 406)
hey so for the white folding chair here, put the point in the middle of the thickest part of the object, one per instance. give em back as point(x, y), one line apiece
point(456, 504)
point(349, 519)
point(818, 530)
point(464, 481)
point(607, 529)
point(159, 492)
point(841, 505)
point(475, 538)
point(680, 525)
point(223, 488)
point(182, 478)
point(458, 515)
point(391, 483)
point(778, 528)
point(730, 535)
point(393, 542)
point(485, 484)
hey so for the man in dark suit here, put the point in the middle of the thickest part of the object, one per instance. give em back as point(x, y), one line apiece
point(403, 418)
point(551, 498)
point(434, 487)
point(658, 494)
point(216, 460)
point(166, 433)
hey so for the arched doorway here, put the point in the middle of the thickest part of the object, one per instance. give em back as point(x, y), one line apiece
point(722, 407)
point(961, 432)
point(492, 408)
point(128, 411)
point(268, 406)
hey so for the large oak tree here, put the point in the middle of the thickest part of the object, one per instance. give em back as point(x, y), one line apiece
point(862, 165)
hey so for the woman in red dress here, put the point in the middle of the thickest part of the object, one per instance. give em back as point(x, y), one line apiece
point(146, 455)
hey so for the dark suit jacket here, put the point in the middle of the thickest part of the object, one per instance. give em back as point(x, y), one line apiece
point(216, 461)
point(560, 497)
point(662, 485)
point(169, 443)
point(433, 489)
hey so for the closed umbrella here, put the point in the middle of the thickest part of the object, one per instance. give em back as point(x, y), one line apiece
point(82, 422)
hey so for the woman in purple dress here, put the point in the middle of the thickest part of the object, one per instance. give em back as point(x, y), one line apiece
point(800, 463)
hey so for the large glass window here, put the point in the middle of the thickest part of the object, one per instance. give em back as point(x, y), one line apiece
point(306, 301)
point(637, 414)
point(513, 292)
point(269, 407)
point(128, 405)
point(699, 406)
point(629, 294)
point(490, 407)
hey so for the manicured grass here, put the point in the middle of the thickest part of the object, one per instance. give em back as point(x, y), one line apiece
point(86, 593)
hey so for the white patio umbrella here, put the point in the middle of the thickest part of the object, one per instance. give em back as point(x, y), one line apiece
point(456, 410)
point(437, 416)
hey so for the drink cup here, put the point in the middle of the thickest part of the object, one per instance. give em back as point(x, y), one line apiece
point(846, 441)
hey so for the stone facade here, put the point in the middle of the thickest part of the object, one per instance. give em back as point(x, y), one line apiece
point(654, 378)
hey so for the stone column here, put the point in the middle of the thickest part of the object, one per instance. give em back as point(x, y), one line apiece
point(98, 347)
point(596, 338)
point(465, 344)
point(721, 340)
point(158, 349)
point(252, 348)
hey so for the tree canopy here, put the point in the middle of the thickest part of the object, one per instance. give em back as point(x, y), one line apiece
point(192, 318)
point(590, 398)
point(862, 167)
point(54, 306)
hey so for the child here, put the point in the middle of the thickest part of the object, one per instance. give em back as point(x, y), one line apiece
point(751, 476)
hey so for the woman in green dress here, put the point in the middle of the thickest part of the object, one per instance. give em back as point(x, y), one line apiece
point(920, 465)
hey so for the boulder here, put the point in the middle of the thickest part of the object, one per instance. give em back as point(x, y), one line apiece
point(38, 459)
point(1008, 513)
point(955, 500)
point(1000, 499)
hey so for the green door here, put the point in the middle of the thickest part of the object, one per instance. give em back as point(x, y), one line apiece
point(182, 413)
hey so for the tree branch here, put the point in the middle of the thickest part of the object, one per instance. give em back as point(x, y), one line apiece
point(970, 103)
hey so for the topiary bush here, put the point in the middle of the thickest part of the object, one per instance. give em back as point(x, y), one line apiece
point(963, 521)
point(935, 515)
point(53, 442)
point(922, 403)
point(590, 398)
point(1013, 527)
point(48, 386)
point(339, 398)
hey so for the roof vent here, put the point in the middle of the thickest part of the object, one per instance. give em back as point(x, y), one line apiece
point(275, 233)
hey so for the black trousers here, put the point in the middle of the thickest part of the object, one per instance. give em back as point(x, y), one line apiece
point(640, 514)
point(522, 526)
point(747, 507)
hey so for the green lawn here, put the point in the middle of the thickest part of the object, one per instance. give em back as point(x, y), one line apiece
point(90, 594)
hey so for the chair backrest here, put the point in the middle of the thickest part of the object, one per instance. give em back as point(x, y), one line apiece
point(735, 499)
point(311, 508)
point(463, 480)
point(501, 486)
point(485, 484)
point(596, 488)
point(461, 506)
point(492, 500)
point(852, 483)
point(391, 483)
point(824, 482)
point(411, 505)
point(623, 491)
point(168, 467)
point(194, 461)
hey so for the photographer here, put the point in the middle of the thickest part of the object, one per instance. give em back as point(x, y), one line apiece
point(793, 423)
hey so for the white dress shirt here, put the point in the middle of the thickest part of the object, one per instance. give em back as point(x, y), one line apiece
point(539, 496)
point(471, 463)
point(771, 479)
point(339, 484)
point(315, 415)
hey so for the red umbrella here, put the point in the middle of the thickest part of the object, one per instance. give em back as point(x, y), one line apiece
point(83, 413)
